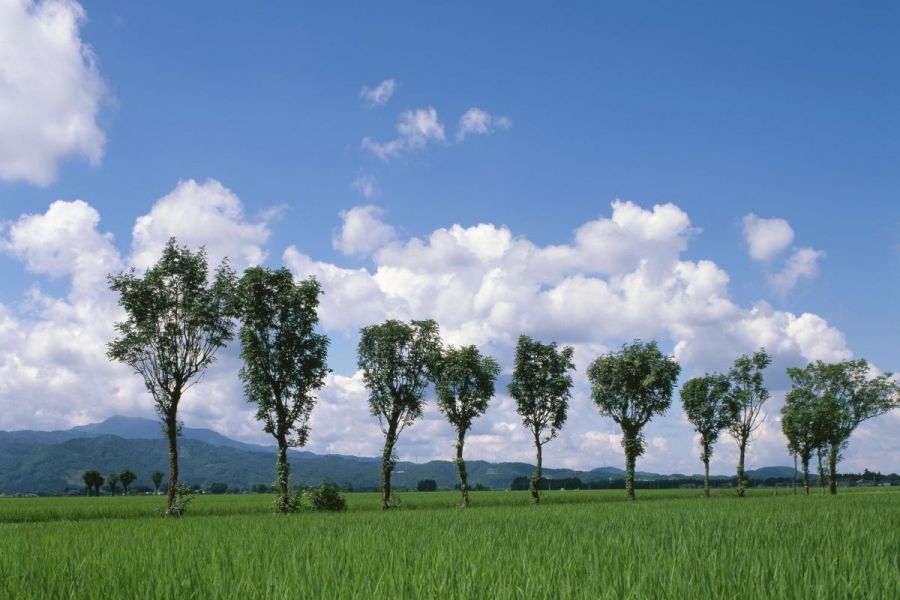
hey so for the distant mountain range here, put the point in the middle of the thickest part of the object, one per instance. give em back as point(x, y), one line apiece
point(51, 461)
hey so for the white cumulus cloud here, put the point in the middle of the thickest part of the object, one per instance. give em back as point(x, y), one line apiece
point(51, 90)
point(380, 94)
point(416, 129)
point(803, 264)
point(766, 238)
point(207, 214)
point(478, 122)
point(362, 231)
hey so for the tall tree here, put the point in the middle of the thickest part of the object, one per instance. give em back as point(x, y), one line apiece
point(710, 409)
point(801, 418)
point(631, 386)
point(464, 383)
point(284, 360)
point(112, 480)
point(749, 393)
point(126, 478)
point(176, 321)
point(847, 395)
point(394, 358)
point(157, 477)
point(541, 386)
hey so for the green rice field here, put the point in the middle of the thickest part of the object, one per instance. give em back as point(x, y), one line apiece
point(581, 544)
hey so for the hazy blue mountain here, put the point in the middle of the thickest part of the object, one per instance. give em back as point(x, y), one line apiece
point(51, 461)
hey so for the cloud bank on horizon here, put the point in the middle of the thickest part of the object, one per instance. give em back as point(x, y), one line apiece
point(619, 277)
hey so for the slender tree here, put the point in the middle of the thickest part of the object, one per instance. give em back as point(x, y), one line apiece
point(541, 386)
point(464, 383)
point(631, 386)
point(394, 358)
point(112, 480)
point(847, 395)
point(710, 409)
point(284, 360)
point(749, 393)
point(126, 478)
point(176, 321)
point(157, 477)
point(801, 421)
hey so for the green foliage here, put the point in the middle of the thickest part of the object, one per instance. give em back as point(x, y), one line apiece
point(630, 387)
point(284, 359)
point(709, 408)
point(464, 384)
point(427, 485)
point(183, 495)
point(748, 392)
point(175, 322)
point(828, 403)
point(394, 358)
point(326, 497)
point(126, 477)
point(93, 480)
point(112, 480)
point(541, 386)
point(157, 477)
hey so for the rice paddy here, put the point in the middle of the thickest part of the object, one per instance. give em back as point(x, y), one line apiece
point(576, 544)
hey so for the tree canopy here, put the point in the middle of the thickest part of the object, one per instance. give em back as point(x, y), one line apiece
point(175, 322)
point(630, 387)
point(284, 359)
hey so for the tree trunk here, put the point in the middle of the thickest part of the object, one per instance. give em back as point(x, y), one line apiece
point(706, 477)
point(832, 469)
point(821, 472)
point(794, 478)
point(283, 478)
point(741, 482)
point(387, 466)
point(172, 436)
point(536, 480)
point(461, 466)
point(805, 465)
point(629, 472)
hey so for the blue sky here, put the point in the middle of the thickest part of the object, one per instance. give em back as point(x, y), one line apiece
point(785, 112)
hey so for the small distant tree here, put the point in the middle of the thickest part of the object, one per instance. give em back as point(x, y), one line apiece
point(541, 386)
point(175, 323)
point(749, 393)
point(464, 383)
point(217, 488)
point(847, 395)
point(92, 482)
point(394, 358)
point(631, 386)
point(427, 485)
point(156, 477)
point(284, 360)
point(126, 478)
point(710, 409)
point(112, 481)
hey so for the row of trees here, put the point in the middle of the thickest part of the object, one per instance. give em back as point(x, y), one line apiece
point(177, 319)
point(93, 481)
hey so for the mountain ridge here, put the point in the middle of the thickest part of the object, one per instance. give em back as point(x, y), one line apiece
point(52, 461)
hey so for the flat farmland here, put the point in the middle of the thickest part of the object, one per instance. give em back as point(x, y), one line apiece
point(577, 544)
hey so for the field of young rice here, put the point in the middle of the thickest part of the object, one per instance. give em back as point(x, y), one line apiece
point(668, 544)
